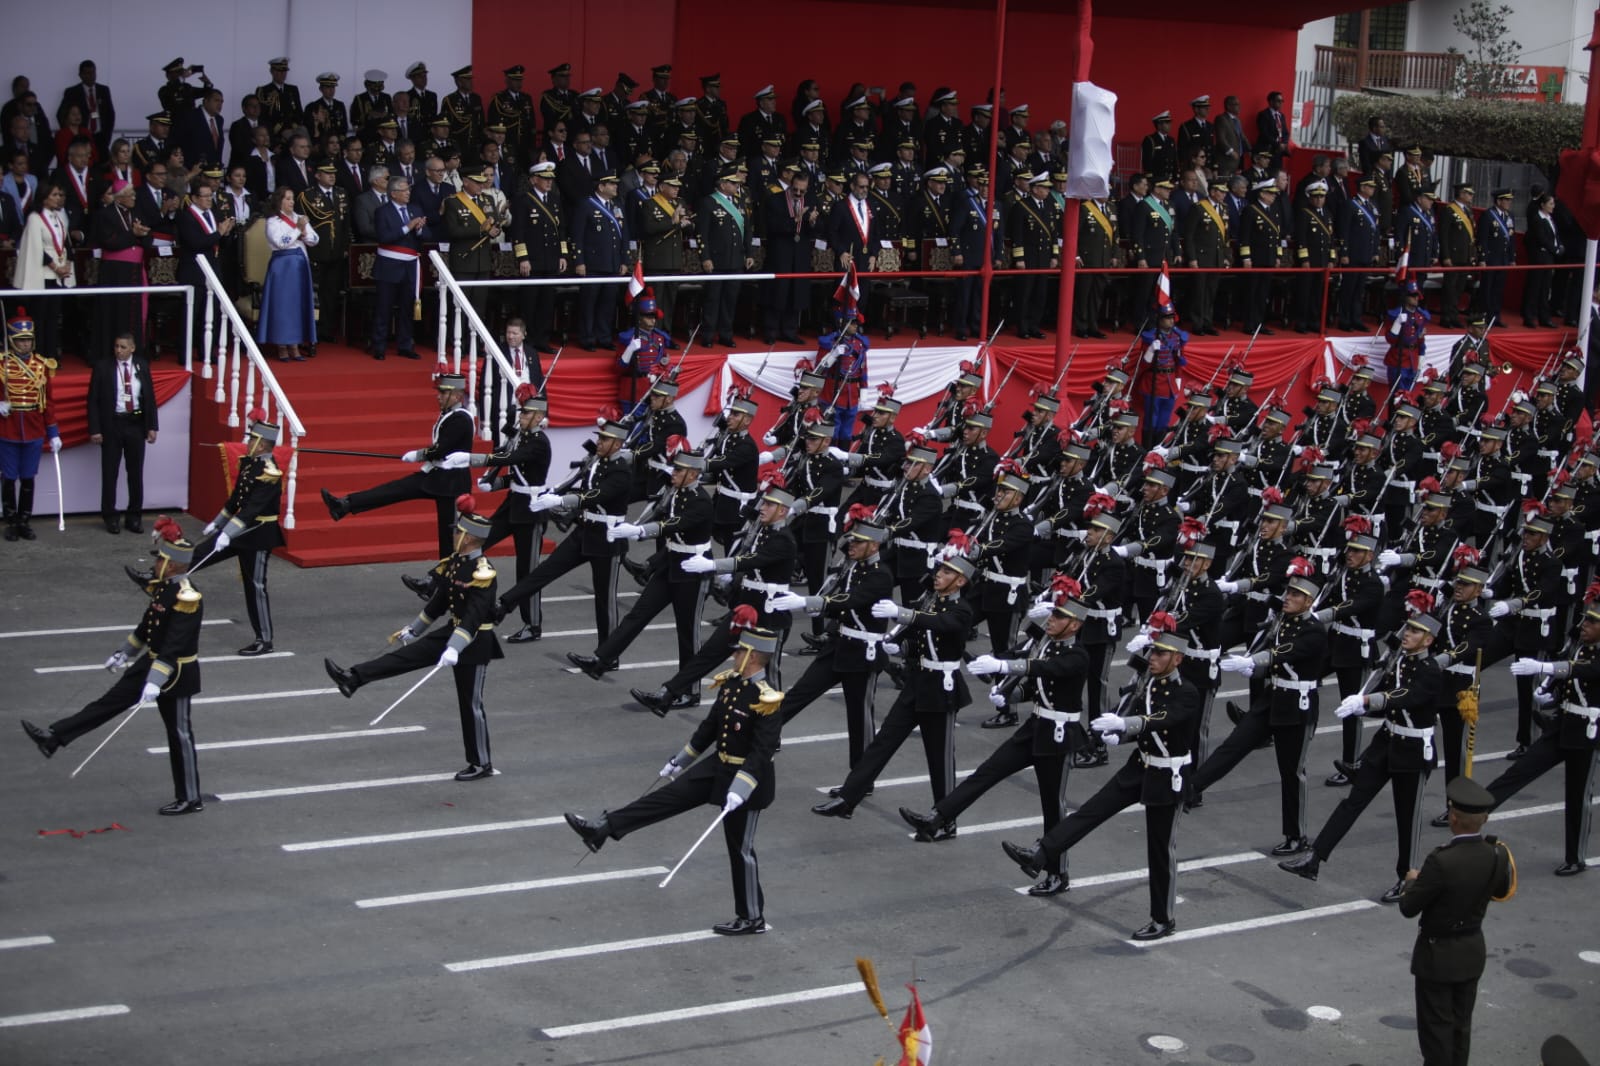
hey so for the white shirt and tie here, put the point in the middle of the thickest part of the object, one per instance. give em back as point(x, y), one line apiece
point(128, 387)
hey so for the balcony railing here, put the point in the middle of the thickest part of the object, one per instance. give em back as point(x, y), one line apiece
point(1356, 68)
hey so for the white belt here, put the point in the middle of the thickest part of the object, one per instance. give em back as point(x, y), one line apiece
point(1548, 454)
point(1258, 597)
point(1424, 735)
point(688, 549)
point(1070, 533)
point(771, 588)
point(1193, 468)
point(1013, 583)
point(1498, 512)
point(1459, 668)
point(1432, 457)
point(1406, 485)
point(603, 518)
point(1522, 477)
point(1175, 763)
point(949, 669)
point(1211, 655)
point(914, 543)
point(1363, 635)
point(1149, 563)
point(1305, 688)
point(1320, 553)
point(1571, 574)
point(1105, 614)
point(1428, 582)
point(831, 513)
point(1542, 614)
point(867, 637)
point(1060, 718)
point(879, 482)
point(528, 490)
point(1590, 714)
point(1229, 523)
point(735, 494)
point(1254, 492)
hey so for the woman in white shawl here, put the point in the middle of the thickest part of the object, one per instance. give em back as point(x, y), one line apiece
point(44, 261)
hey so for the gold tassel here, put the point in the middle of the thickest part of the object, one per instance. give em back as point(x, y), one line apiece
point(869, 977)
point(416, 311)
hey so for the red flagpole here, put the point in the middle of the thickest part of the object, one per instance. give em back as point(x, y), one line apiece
point(987, 278)
point(1083, 53)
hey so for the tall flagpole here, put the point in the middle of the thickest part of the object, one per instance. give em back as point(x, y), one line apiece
point(987, 266)
point(1082, 54)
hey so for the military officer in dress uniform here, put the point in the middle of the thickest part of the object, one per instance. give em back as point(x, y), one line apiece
point(1451, 893)
point(1316, 248)
point(1361, 244)
point(1497, 246)
point(600, 249)
point(328, 208)
point(424, 101)
point(27, 419)
point(464, 110)
point(1158, 152)
point(326, 114)
point(1207, 242)
point(372, 106)
point(467, 645)
point(280, 101)
point(1159, 719)
point(975, 239)
point(539, 241)
point(513, 109)
point(1033, 230)
point(1261, 245)
point(943, 131)
point(742, 728)
point(161, 663)
point(472, 222)
point(1458, 247)
point(725, 236)
point(1153, 235)
point(1198, 133)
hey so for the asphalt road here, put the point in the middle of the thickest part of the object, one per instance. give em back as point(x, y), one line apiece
point(274, 928)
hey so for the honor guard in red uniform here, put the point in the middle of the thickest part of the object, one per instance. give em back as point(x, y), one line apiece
point(1407, 333)
point(1163, 363)
point(644, 352)
point(27, 418)
point(842, 358)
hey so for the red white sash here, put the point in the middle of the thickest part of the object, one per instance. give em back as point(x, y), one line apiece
point(856, 219)
point(80, 186)
point(200, 217)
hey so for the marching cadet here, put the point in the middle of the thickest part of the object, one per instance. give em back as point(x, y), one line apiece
point(1159, 722)
point(679, 521)
point(1098, 247)
point(1494, 483)
point(599, 490)
point(1288, 657)
point(743, 728)
point(539, 242)
point(1000, 548)
point(326, 114)
point(650, 435)
point(1120, 459)
point(1526, 588)
point(1351, 609)
point(912, 512)
point(1261, 243)
point(467, 645)
point(1451, 892)
point(162, 666)
point(27, 419)
point(247, 528)
point(1220, 499)
point(756, 569)
point(1315, 534)
point(1467, 402)
point(795, 415)
point(1404, 694)
point(513, 109)
point(1464, 632)
point(1400, 454)
point(1326, 431)
point(372, 106)
point(1268, 455)
point(1458, 247)
point(934, 634)
point(854, 655)
point(1359, 483)
point(1154, 240)
point(1154, 539)
point(464, 110)
point(328, 208)
point(1317, 247)
point(966, 474)
point(1258, 575)
point(1103, 578)
point(1158, 152)
point(817, 483)
point(877, 453)
point(732, 462)
point(1050, 676)
point(1196, 607)
point(280, 101)
point(1422, 562)
point(1571, 689)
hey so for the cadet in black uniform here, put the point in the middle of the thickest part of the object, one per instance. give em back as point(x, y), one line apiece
point(912, 512)
point(1451, 892)
point(935, 634)
point(468, 645)
point(1464, 631)
point(1161, 721)
point(1049, 675)
point(161, 659)
point(743, 727)
point(444, 461)
point(1000, 550)
point(247, 528)
point(1405, 693)
point(732, 462)
point(1526, 590)
point(521, 464)
point(1104, 578)
point(817, 479)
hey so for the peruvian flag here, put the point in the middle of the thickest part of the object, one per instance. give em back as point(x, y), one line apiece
point(1164, 288)
point(848, 291)
point(916, 1039)
point(636, 282)
point(1402, 265)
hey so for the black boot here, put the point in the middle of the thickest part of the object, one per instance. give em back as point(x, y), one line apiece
point(142, 578)
point(8, 507)
point(594, 833)
point(25, 509)
point(347, 680)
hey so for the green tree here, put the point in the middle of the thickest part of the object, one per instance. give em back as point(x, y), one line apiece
point(1484, 72)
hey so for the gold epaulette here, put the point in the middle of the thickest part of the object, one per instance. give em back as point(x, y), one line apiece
point(269, 471)
point(768, 700)
point(719, 679)
point(188, 598)
point(50, 365)
point(483, 573)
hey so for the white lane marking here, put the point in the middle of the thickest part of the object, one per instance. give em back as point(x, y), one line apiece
point(1325, 1014)
point(510, 886)
point(582, 952)
point(73, 1015)
point(26, 942)
point(337, 786)
point(734, 1006)
point(815, 738)
point(586, 597)
point(1259, 923)
point(252, 697)
point(1543, 808)
point(891, 782)
point(204, 659)
point(1020, 823)
point(1186, 866)
point(262, 742)
point(596, 632)
point(631, 666)
point(93, 629)
point(421, 834)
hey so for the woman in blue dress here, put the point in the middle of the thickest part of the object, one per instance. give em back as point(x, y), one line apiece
point(288, 308)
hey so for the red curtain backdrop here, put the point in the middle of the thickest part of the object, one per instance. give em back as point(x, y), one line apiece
point(599, 40)
point(69, 391)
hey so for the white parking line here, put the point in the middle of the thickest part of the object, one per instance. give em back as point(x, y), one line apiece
point(73, 1015)
point(1143, 872)
point(735, 1006)
point(631, 666)
point(337, 786)
point(584, 597)
point(814, 738)
point(93, 629)
point(285, 694)
point(510, 886)
point(891, 782)
point(262, 742)
point(596, 632)
point(421, 834)
point(204, 659)
point(583, 952)
point(1259, 923)
point(26, 942)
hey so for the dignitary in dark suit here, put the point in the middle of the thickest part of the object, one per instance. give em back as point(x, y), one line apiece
point(93, 101)
point(854, 231)
point(599, 245)
point(725, 234)
point(1450, 894)
point(201, 230)
point(1272, 134)
point(401, 231)
point(203, 134)
point(790, 222)
point(1361, 234)
point(122, 420)
point(294, 168)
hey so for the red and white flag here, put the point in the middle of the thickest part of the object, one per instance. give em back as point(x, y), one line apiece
point(1164, 289)
point(916, 1039)
point(1402, 265)
point(848, 291)
point(636, 282)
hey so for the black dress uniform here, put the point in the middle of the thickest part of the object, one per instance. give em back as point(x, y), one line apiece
point(600, 246)
point(976, 237)
point(725, 235)
point(1497, 246)
point(1104, 579)
point(1464, 631)
point(280, 107)
point(1361, 231)
point(1528, 587)
point(1153, 232)
point(521, 464)
point(1000, 553)
point(329, 212)
point(882, 452)
point(1097, 247)
point(732, 462)
point(464, 111)
point(817, 483)
point(1351, 610)
point(1458, 246)
point(1261, 242)
point(1158, 156)
point(162, 650)
point(789, 225)
point(1033, 231)
point(1207, 242)
point(539, 238)
point(466, 593)
point(1154, 539)
point(1316, 247)
point(250, 519)
point(913, 514)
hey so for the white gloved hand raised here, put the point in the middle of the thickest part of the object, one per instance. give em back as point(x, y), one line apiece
point(413, 456)
point(449, 657)
point(987, 664)
point(1527, 667)
point(1388, 558)
point(1139, 643)
point(764, 458)
point(886, 609)
point(223, 540)
point(699, 564)
point(1351, 706)
point(1040, 611)
point(627, 353)
point(769, 440)
point(836, 452)
point(1499, 610)
point(788, 601)
point(1109, 723)
point(1238, 664)
point(1122, 551)
point(211, 527)
point(149, 693)
point(1226, 587)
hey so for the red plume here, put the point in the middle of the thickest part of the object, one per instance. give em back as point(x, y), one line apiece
point(886, 390)
point(1358, 361)
point(1427, 485)
point(167, 529)
point(1466, 555)
point(611, 412)
point(1161, 622)
point(1532, 507)
point(967, 366)
point(959, 541)
point(744, 617)
point(1419, 601)
point(1360, 426)
point(1592, 593)
point(1448, 451)
point(1065, 586)
point(1009, 466)
point(1154, 461)
point(466, 503)
point(812, 416)
point(1066, 437)
point(1219, 432)
point(1307, 459)
point(1271, 495)
point(526, 391)
point(678, 443)
point(1191, 532)
point(1300, 566)
point(1320, 384)
point(915, 438)
point(970, 408)
point(1428, 375)
point(859, 512)
point(1560, 475)
point(803, 365)
point(1099, 503)
point(257, 414)
point(1357, 524)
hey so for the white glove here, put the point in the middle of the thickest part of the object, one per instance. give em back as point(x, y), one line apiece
point(627, 353)
point(545, 501)
point(1040, 611)
point(889, 647)
point(1138, 644)
point(1388, 558)
point(1183, 507)
point(1227, 588)
point(1161, 451)
point(1111, 740)
point(1122, 551)
point(668, 771)
point(5, 409)
point(886, 609)
point(997, 698)
point(1297, 449)
point(149, 693)
point(788, 601)
point(836, 452)
point(1041, 528)
point(1238, 664)
point(732, 803)
point(449, 656)
point(1544, 698)
point(211, 527)
point(55, 444)
point(1213, 420)
point(986, 664)
point(624, 531)
point(1530, 667)
point(485, 485)
point(1109, 723)
point(223, 540)
point(1499, 610)
point(769, 440)
point(1351, 706)
point(723, 580)
point(405, 635)
point(413, 456)
point(118, 660)
point(698, 564)
point(764, 458)
point(1324, 616)
point(456, 461)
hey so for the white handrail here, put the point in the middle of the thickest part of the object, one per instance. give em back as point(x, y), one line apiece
point(450, 293)
point(92, 291)
point(232, 341)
